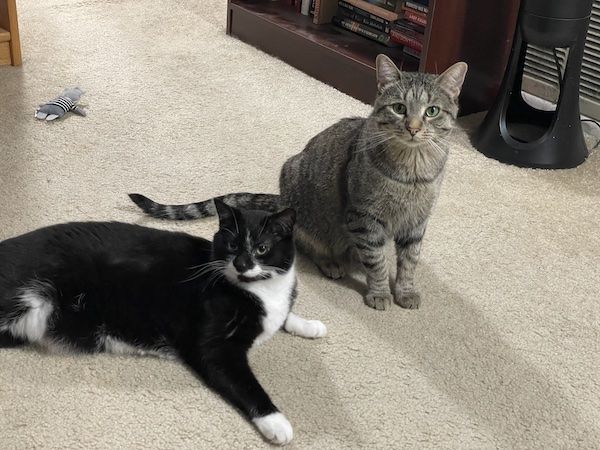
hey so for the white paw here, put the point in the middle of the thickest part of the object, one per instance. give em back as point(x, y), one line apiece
point(313, 329)
point(275, 427)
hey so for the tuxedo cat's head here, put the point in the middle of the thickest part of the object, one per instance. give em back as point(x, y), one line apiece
point(255, 244)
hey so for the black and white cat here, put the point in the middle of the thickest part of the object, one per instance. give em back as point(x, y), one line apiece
point(126, 289)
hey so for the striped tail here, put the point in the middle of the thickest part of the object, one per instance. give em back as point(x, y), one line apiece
point(206, 208)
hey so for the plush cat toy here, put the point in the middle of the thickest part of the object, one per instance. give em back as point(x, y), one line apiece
point(62, 104)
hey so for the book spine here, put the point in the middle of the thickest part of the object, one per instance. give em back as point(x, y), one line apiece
point(417, 6)
point(412, 52)
point(324, 11)
point(305, 7)
point(358, 28)
point(404, 39)
point(415, 17)
point(316, 11)
point(380, 25)
point(408, 29)
point(390, 5)
point(362, 12)
point(375, 10)
point(312, 8)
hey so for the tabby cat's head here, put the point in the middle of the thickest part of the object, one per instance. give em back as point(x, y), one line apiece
point(254, 244)
point(417, 107)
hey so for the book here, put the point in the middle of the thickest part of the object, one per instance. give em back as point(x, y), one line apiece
point(415, 16)
point(390, 5)
point(363, 30)
point(410, 29)
point(363, 17)
point(375, 10)
point(305, 7)
point(411, 52)
point(311, 10)
point(344, 4)
point(324, 11)
point(417, 6)
point(407, 37)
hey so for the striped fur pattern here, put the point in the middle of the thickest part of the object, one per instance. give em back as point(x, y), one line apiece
point(364, 182)
point(264, 202)
point(377, 180)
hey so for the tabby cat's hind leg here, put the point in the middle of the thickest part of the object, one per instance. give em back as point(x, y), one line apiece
point(330, 268)
point(319, 253)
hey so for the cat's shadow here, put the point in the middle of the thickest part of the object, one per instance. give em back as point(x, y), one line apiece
point(291, 370)
point(462, 355)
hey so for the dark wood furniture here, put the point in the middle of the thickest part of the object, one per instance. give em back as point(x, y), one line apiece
point(478, 32)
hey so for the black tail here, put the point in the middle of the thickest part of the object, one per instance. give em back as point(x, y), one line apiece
point(244, 200)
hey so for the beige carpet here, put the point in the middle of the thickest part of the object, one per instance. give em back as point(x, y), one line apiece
point(503, 354)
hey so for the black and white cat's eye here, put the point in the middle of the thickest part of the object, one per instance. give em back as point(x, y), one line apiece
point(432, 111)
point(262, 249)
point(232, 246)
point(399, 108)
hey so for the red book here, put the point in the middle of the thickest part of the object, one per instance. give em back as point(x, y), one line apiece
point(414, 16)
point(400, 37)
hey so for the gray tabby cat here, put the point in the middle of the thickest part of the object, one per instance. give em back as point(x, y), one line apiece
point(364, 181)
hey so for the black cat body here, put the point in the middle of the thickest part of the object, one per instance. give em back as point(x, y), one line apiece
point(127, 289)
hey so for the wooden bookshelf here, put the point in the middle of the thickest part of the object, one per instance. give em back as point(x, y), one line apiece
point(478, 32)
point(10, 47)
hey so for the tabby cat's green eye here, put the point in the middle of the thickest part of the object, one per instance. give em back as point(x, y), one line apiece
point(399, 108)
point(432, 111)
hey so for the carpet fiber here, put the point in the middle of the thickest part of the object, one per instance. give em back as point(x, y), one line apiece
point(503, 353)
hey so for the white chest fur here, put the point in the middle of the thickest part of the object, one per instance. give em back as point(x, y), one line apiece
point(274, 294)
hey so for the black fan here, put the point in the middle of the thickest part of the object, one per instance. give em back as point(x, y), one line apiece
point(515, 132)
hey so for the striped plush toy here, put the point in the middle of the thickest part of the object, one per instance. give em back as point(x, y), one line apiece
point(62, 104)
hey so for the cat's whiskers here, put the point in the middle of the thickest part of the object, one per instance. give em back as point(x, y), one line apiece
point(277, 270)
point(436, 147)
point(229, 231)
point(214, 278)
point(380, 139)
point(211, 266)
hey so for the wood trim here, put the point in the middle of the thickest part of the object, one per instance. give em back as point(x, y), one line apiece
point(4, 35)
point(9, 22)
point(4, 54)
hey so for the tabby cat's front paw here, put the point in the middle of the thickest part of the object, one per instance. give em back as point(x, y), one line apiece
point(275, 428)
point(378, 301)
point(408, 300)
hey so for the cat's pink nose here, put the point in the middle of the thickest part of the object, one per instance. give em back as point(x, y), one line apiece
point(413, 131)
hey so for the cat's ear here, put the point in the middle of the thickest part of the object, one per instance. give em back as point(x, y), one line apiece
point(283, 221)
point(225, 212)
point(387, 72)
point(453, 78)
